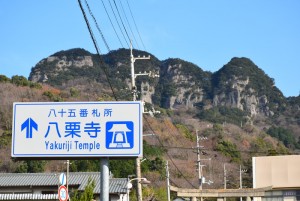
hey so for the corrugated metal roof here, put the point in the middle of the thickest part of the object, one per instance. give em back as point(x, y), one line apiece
point(26, 196)
point(116, 185)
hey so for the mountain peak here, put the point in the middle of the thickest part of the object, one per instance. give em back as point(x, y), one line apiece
point(72, 52)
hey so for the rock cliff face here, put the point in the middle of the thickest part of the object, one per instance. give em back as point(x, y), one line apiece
point(147, 91)
point(62, 66)
point(241, 84)
point(181, 85)
point(243, 97)
point(63, 62)
point(59, 64)
point(187, 92)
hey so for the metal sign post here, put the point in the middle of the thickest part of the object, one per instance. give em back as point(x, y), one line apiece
point(104, 196)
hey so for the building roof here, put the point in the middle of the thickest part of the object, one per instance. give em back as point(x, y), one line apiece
point(80, 179)
point(28, 196)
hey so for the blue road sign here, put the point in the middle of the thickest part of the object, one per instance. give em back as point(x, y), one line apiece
point(62, 179)
point(77, 129)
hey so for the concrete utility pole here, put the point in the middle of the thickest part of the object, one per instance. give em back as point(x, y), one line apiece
point(241, 182)
point(134, 92)
point(67, 179)
point(200, 173)
point(168, 180)
point(199, 162)
point(225, 179)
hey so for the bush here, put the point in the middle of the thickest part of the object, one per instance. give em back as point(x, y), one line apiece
point(229, 149)
point(87, 194)
point(19, 80)
point(35, 85)
point(223, 114)
point(3, 78)
point(31, 166)
point(52, 96)
point(186, 131)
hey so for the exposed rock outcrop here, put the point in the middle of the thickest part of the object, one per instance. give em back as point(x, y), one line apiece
point(182, 85)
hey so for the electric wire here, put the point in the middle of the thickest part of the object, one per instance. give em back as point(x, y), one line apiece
point(173, 182)
point(118, 24)
point(106, 74)
point(121, 20)
point(112, 23)
point(129, 24)
point(169, 147)
point(89, 28)
point(160, 142)
point(97, 26)
point(136, 26)
point(211, 149)
point(97, 48)
point(170, 128)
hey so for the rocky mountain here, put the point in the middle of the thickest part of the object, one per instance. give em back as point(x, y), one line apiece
point(239, 92)
point(181, 85)
point(243, 85)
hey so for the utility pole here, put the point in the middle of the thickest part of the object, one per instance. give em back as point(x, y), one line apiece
point(225, 179)
point(200, 173)
point(199, 162)
point(168, 180)
point(67, 179)
point(241, 182)
point(134, 92)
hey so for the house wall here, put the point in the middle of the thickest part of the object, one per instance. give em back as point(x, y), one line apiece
point(276, 171)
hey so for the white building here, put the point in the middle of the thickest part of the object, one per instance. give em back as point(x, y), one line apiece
point(282, 173)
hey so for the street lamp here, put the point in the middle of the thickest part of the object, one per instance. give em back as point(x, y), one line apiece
point(129, 184)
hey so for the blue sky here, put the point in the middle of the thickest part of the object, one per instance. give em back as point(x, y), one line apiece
point(207, 33)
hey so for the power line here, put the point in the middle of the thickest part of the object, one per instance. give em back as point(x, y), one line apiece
point(97, 49)
point(97, 26)
point(129, 24)
point(169, 147)
point(173, 182)
point(175, 128)
point(112, 23)
point(118, 23)
point(89, 28)
point(170, 156)
point(211, 149)
point(136, 26)
point(121, 20)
